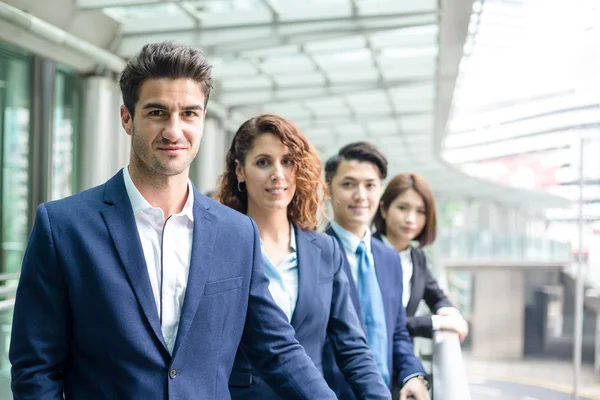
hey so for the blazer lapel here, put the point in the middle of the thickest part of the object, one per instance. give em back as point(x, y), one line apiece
point(203, 251)
point(309, 256)
point(122, 227)
point(353, 291)
point(416, 286)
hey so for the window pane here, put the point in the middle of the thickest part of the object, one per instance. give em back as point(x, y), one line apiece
point(14, 139)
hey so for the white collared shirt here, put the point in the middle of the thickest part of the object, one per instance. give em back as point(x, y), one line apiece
point(407, 271)
point(167, 249)
point(350, 242)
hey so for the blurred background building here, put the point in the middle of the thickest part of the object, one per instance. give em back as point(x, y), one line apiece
point(491, 101)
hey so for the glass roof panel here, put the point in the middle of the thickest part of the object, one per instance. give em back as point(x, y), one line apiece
point(416, 123)
point(291, 11)
point(413, 105)
point(366, 74)
point(374, 96)
point(225, 68)
point(288, 64)
point(407, 71)
point(313, 78)
point(353, 42)
point(413, 36)
point(383, 127)
point(414, 92)
point(376, 7)
point(227, 6)
point(351, 131)
point(145, 12)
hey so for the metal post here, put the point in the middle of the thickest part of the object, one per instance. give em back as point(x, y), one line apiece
point(578, 331)
point(41, 134)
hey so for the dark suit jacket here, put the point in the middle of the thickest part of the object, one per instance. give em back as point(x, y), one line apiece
point(401, 356)
point(323, 310)
point(423, 287)
point(85, 319)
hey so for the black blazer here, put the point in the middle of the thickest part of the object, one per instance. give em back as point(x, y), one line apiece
point(423, 287)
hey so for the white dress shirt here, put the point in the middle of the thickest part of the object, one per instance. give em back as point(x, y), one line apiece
point(167, 249)
point(407, 271)
point(283, 278)
point(351, 242)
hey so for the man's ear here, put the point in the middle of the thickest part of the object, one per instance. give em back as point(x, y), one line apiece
point(328, 192)
point(126, 120)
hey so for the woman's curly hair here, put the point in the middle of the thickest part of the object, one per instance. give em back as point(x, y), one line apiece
point(306, 206)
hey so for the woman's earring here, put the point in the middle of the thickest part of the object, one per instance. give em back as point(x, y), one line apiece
point(240, 187)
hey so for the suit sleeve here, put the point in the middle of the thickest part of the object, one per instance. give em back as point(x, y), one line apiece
point(406, 363)
point(40, 335)
point(268, 341)
point(420, 326)
point(352, 353)
point(435, 298)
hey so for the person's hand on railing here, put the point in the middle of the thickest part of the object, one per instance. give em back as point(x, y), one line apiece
point(452, 321)
point(414, 389)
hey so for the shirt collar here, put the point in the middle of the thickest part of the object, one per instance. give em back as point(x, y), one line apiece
point(349, 240)
point(385, 240)
point(140, 204)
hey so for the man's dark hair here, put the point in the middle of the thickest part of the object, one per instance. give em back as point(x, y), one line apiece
point(163, 60)
point(358, 151)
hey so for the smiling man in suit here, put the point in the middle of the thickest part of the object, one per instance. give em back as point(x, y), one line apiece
point(354, 178)
point(142, 288)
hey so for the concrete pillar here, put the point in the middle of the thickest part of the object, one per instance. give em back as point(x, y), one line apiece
point(210, 162)
point(102, 142)
point(497, 323)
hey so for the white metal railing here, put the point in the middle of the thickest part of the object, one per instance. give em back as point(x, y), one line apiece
point(448, 370)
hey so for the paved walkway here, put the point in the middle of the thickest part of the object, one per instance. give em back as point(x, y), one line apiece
point(551, 374)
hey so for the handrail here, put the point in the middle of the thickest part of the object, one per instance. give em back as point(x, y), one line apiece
point(9, 275)
point(6, 305)
point(449, 376)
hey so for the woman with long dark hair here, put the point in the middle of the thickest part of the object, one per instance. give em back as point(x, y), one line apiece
point(407, 214)
point(273, 175)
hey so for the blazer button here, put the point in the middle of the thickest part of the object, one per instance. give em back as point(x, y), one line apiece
point(172, 373)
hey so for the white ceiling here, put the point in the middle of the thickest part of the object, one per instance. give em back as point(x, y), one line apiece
point(343, 70)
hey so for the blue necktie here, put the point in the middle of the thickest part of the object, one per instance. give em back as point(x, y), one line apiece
point(373, 314)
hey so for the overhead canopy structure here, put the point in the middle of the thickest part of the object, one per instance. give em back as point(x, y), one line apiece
point(342, 70)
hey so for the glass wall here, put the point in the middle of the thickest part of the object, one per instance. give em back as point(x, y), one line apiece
point(65, 121)
point(15, 89)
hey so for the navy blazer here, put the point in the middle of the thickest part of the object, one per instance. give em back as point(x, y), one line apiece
point(323, 310)
point(401, 355)
point(85, 319)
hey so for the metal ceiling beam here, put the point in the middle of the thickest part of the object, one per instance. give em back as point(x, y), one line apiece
point(322, 122)
point(244, 48)
point(294, 23)
point(190, 10)
point(99, 4)
point(55, 35)
point(238, 104)
point(273, 8)
point(337, 89)
point(370, 117)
